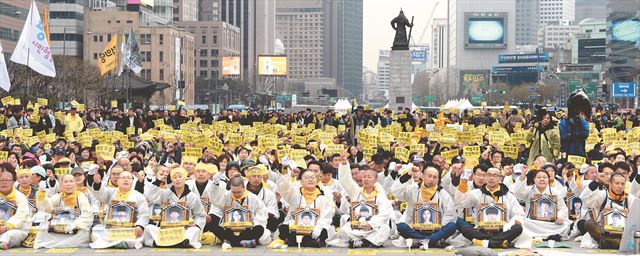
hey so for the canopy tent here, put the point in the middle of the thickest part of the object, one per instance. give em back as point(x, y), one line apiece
point(342, 106)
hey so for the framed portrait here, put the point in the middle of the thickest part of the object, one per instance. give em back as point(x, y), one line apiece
point(575, 206)
point(492, 216)
point(544, 207)
point(237, 217)
point(305, 220)
point(426, 217)
point(61, 218)
point(613, 220)
point(468, 215)
point(361, 212)
point(174, 214)
point(121, 214)
point(156, 212)
point(7, 209)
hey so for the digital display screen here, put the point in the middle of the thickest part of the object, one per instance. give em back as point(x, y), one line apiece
point(626, 30)
point(272, 65)
point(484, 31)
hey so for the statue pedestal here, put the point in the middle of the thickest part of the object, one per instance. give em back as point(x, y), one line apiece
point(399, 80)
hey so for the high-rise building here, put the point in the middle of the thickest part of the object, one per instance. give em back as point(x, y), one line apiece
point(158, 45)
point(557, 10)
point(13, 14)
point(589, 42)
point(185, 10)
point(383, 71)
point(208, 10)
point(300, 26)
point(438, 44)
point(622, 50)
point(470, 50)
point(527, 21)
point(555, 34)
point(256, 20)
point(350, 40)
point(213, 41)
point(595, 9)
point(66, 27)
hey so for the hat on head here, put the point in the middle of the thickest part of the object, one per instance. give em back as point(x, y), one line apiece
point(39, 170)
point(64, 160)
point(23, 172)
point(77, 170)
point(584, 168)
point(189, 159)
point(59, 151)
point(247, 163)
point(457, 160)
point(175, 171)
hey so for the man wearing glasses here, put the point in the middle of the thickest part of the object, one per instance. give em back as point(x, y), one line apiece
point(11, 232)
point(492, 192)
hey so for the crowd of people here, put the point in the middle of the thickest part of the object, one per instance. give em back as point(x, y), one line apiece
point(106, 178)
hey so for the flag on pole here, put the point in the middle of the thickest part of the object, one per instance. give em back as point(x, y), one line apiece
point(33, 48)
point(132, 56)
point(108, 58)
point(123, 41)
point(5, 84)
point(45, 21)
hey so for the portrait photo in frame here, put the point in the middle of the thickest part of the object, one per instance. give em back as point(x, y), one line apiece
point(7, 209)
point(237, 217)
point(544, 207)
point(305, 220)
point(156, 212)
point(61, 218)
point(492, 216)
point(121, 214)
point(174, 214)
point(361, 212)
point(426, 217)
point(574, 204)
point(613, 220)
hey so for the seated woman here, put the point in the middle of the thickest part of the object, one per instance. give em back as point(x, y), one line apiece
point(15, 214)
point(69, 202)
point(127, 208)
point(545, 221)
point(195, 220)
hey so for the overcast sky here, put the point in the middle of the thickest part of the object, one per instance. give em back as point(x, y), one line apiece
point(378, 33)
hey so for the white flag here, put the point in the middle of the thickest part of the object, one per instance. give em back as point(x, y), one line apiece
point(4, 75)
point(32, 48)
point(122, 54)
point(132, 56)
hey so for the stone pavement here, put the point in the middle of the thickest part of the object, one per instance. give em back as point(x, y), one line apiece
point(262, 250)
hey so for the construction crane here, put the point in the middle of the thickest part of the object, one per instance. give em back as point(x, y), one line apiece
point(426, 28)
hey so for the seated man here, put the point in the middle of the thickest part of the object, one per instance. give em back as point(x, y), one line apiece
point(366, 228)
point(492, 192)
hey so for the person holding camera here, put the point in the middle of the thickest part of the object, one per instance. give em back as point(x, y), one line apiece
point(544, 139)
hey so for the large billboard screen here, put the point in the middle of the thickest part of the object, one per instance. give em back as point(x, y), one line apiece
point(626, 30)
point(230, 65)
point(486, 30)
point(419, 54)
point(474, 82)
point(272, 65)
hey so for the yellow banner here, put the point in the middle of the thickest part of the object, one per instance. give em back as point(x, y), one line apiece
point(105, 151)
point(576, 160)
point(108, 58)
point(170, 236)
point(121, 234)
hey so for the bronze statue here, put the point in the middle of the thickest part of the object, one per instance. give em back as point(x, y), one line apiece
point(400, 24)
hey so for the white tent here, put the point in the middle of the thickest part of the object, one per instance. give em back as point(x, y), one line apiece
point(342, 106)
point(464, 104)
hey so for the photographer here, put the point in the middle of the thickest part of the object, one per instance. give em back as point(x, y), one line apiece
point(544, 139)
point(573, 133)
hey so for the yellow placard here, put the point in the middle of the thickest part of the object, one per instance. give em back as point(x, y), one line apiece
point(170, 236)
point(471, 152)
point(417, 148)
point(16, 102)
point(105, 151)
point(334, 149)
point(7, 100)
point(121, 234)
point(171, 107)
point(4, 155)
point(576, 160)
point(448, 155)
point(42, 102)
point(402, 154)
point(61, 171)
point(510, 151)
point(192, 152)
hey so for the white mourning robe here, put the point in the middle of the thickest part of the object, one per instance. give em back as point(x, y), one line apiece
point(291, 193)
point(268, 197)
point(379, 223)
point(537, 228)
point(410, 193)
point(194, 206)
point(598, 200)
point(632, 221)
point(257, 208)
point(474, 198)
point(21, 221)
point(83, 222)
point(99, 232)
